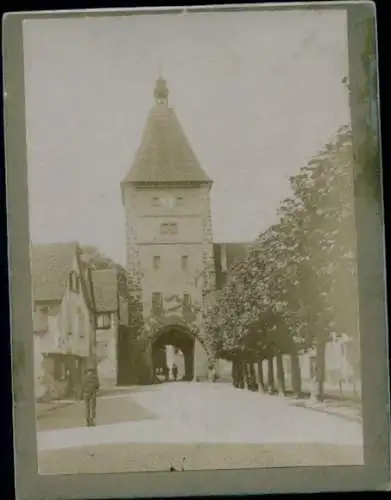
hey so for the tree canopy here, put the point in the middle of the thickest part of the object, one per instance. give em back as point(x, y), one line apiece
point(297, 284)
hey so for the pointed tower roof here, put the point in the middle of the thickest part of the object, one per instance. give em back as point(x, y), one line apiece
point(164, 155)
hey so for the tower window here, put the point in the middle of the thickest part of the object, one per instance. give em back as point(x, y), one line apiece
point(185, 262)
point(186, 302)
point(157, 302)
point(169, 228)
point(179, 201)
point(156, 262)
point(155, 201)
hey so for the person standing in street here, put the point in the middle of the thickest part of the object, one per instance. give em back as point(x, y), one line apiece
point(174, 371)
point(91, 387)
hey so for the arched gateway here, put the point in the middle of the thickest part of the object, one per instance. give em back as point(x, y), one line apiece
point(141, 358)
point(195, 356)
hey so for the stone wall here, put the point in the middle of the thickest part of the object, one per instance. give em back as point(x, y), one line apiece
point(145, 211)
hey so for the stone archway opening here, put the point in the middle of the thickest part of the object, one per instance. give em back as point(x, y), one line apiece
point(171, 345)
point(177, 344)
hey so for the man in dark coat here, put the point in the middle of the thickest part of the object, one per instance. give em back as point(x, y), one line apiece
point(174, 371)
point(91, 386)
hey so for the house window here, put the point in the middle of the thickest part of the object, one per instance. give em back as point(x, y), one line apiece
point(156, 262)
point(103, 321)
point(185, 262)
point(74, 282)
point(169, 228)
point(157, 302)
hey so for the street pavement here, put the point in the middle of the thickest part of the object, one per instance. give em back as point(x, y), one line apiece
point(204, 422)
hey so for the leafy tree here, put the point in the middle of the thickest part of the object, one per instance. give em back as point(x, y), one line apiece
point(289, 293)
point(325, 192)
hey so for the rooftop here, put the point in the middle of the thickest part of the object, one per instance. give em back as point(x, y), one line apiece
point(165, 154)
point(50, 265)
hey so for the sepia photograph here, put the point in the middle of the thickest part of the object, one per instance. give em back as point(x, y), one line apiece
point(193, 243)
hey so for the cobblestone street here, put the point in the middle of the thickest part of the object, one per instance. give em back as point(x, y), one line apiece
point(195, 426)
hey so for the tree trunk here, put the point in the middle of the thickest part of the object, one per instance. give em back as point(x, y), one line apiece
point(296, 375)
point(253, 377)
point(247, 378)
point(240, 368)
point(235, 373)
point(320, 369)
point(270, 376)
point(280, 375)
point(261, 380)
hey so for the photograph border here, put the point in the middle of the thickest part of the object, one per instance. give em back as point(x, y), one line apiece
point(374, 475)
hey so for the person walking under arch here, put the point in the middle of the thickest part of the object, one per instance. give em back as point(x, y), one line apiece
point(174, 370)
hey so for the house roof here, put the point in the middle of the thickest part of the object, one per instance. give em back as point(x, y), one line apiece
point(165, 155)
point(50, 265)
point(105, 290)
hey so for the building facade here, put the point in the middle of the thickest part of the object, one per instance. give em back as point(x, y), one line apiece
point(63, 323)
point(169, 241)
point(75, 320)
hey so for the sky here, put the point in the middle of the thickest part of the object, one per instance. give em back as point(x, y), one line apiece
point(258, 94)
